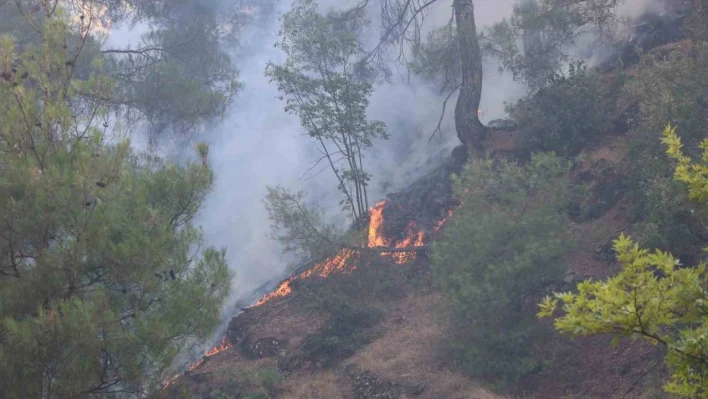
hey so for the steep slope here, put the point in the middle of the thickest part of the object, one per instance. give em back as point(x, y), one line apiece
point(308, 342)
point(371, 325)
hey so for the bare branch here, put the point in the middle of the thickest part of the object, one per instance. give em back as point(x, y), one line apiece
point(442, 114)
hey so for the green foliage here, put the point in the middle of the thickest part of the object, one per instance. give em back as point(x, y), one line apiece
point(299, 228)
point(547, 29)
point(102, 282)
point(178, 78)
point(438, 59)
point(500, 248)
point(696, 23)
point(544, 35)
point(324, 84)
point(566, 129)
point(652, 296)
point(671, 88)
point(693, 174)
point(594, 191)
point(664, 216)
point(270, 380)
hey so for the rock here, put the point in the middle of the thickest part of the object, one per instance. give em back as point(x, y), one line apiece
point(570, 279)
point(399, 319)
point(502, 124)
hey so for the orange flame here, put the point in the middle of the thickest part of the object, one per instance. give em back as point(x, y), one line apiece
point(169, 381)
point(442, 221)
point(376, 238)
point(196, 364)
point(282, 290)
point(336, 263)
point(225, 344)
point(340, 262)
point(412, 239)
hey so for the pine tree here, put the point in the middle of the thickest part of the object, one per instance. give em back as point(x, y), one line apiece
point(102, 280)
point(499, 248)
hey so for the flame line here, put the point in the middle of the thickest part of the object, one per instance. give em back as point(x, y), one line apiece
point(376, 238)
point(225, 344)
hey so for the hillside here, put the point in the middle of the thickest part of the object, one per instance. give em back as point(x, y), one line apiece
point(402, 355)
point(371, 325)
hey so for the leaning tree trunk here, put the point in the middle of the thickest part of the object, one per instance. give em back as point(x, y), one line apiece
point(469, 129)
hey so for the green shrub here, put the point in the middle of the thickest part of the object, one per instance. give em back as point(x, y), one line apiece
point(565, 115)
point(594, 191)
point(270, 380)
point(501, 249)
point(671, 89)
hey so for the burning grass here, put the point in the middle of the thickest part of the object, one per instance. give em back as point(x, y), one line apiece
point(224, 345)
point(343, 261)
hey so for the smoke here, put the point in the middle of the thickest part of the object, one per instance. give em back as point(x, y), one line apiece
point(258, 144)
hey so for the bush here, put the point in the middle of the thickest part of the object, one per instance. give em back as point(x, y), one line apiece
point(594, 191)
point(666, 89)
point(565, 115)
point(270, 380)
point(348, 329)
point(501, 249)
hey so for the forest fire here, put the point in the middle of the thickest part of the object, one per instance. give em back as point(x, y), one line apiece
point(412, 239)
point(375, 239)
point(442, 221)
point(225, 344)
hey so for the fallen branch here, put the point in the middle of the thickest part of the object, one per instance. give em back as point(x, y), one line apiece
point(386, 250)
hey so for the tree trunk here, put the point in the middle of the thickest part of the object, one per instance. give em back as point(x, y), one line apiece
point(469, 129)
point(532, 35)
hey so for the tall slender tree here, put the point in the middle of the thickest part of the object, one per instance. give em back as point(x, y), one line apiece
point(322, 84)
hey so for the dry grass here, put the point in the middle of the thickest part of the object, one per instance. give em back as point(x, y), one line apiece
point(285, 319)
point(324, 385)
point(409, 352)
point(612, 149)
